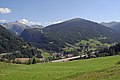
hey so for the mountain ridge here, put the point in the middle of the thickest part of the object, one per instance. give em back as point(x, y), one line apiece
point(71, 32)
point(17, 27)
point(113, 25)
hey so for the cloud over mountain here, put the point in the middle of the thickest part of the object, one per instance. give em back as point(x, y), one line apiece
point(25, 21)
point(2, 21)
point(5, 10)
point(49, 23)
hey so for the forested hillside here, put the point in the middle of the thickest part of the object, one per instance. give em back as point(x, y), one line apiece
point(14, 45)
point(57, 36)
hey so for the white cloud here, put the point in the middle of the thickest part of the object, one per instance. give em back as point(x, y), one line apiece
point(2, 21)
point(5, 10)
point(25, 21)
point(57, 22)
point(50, 23)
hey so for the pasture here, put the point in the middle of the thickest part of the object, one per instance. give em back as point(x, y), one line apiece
point(104, 68)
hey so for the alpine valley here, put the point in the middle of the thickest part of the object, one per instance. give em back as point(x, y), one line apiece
point(58, 36)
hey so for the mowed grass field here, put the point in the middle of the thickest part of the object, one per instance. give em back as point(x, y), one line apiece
point(104, 68)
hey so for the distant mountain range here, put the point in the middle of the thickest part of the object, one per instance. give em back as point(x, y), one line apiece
point(17, 27)
point(113, 25)
point(57, 36)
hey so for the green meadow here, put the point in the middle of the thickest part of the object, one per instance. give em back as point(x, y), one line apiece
point(104, 68)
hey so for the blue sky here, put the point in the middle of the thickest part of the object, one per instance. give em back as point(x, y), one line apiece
point(60, 10)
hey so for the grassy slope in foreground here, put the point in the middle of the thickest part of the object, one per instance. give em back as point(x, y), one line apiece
point(60, 71)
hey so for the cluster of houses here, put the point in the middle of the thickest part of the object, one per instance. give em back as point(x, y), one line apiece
point(81, 55)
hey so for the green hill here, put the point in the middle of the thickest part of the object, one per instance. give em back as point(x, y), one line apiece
point(10, 43)
point(104, 68)
point(93, 43)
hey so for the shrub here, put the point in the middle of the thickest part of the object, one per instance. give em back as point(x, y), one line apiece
point(33, 60)
point(37, 60)
point(118, 62)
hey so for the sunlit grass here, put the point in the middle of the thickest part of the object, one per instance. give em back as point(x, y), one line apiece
point(60, 71)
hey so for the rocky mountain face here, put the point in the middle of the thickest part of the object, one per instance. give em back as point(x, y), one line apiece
point(17, 27)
